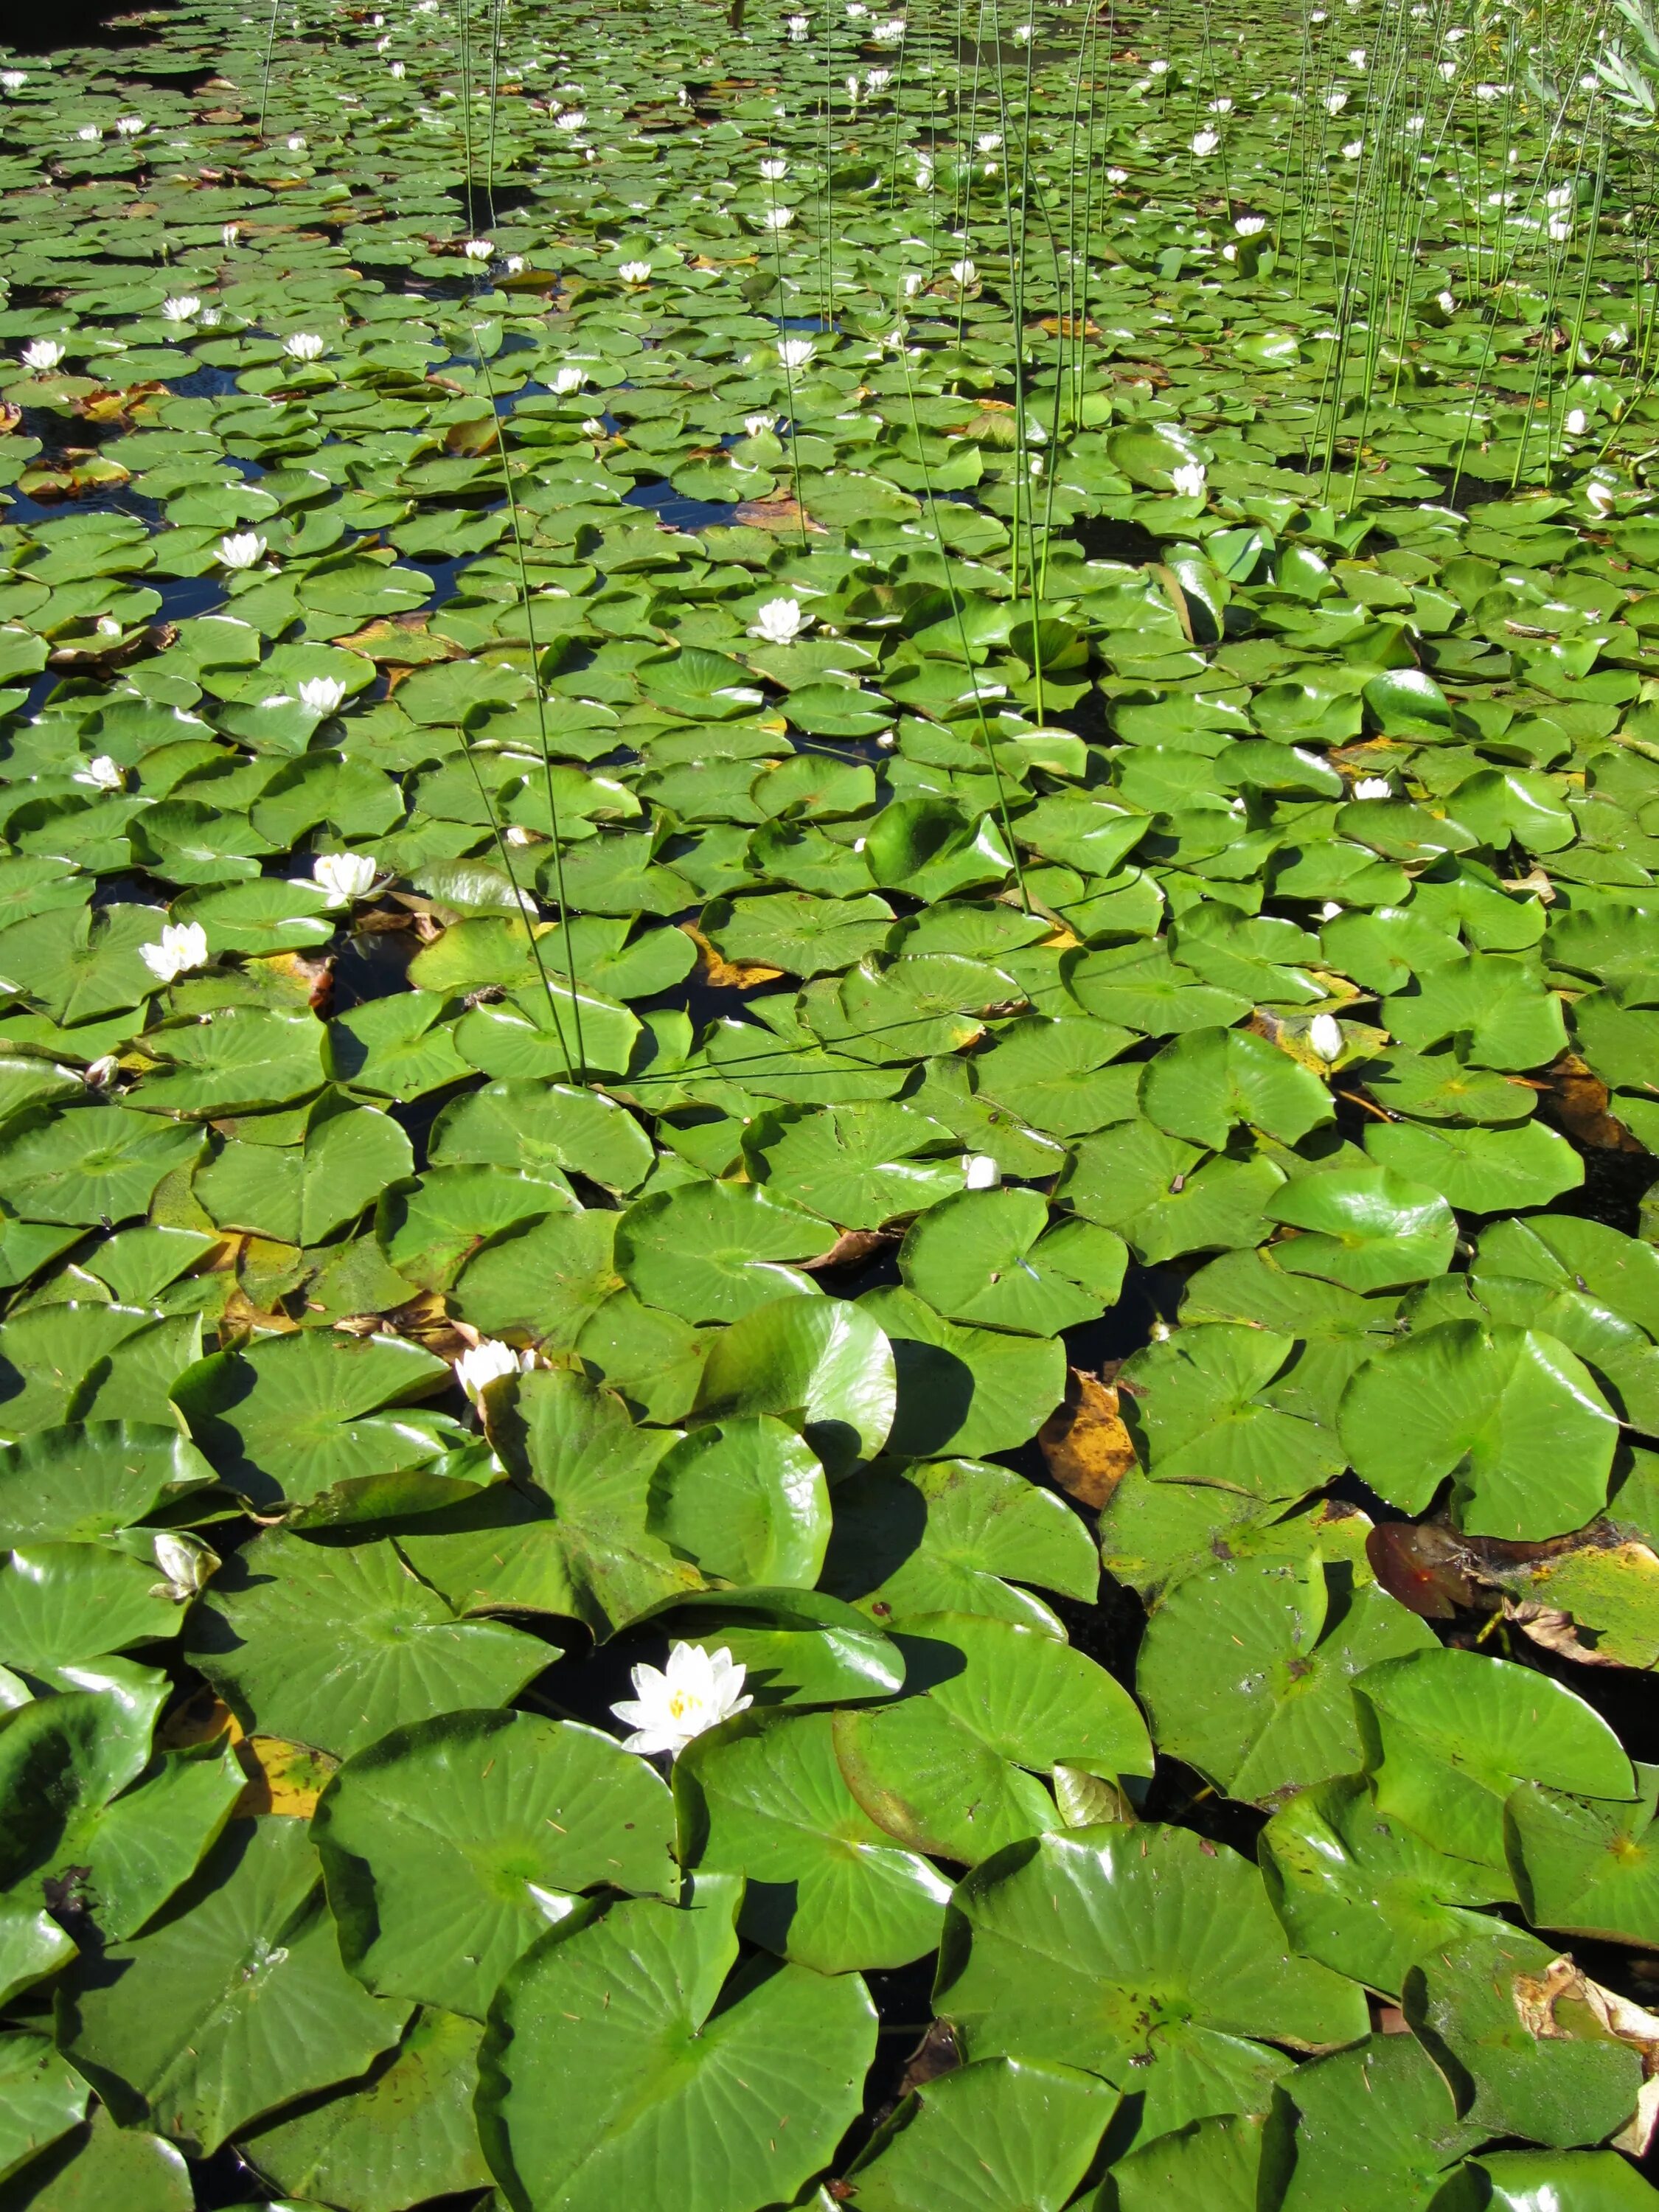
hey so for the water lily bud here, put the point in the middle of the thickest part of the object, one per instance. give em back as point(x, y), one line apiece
point(1325, 1037)
point(102, 1072)
point(980, 1171)
point(487, 1361)
point(186, 1565)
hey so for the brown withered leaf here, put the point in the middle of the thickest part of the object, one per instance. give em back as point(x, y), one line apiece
point(1084, 1443)
point(1579, 1103)
point(1426, 1568)
point(781, 514)
point(283, 1778)
point(936, 2054)
point(1536, 1997)
point(136, 645)
point(852, 1248)
point(479, 434)
point(718, 974)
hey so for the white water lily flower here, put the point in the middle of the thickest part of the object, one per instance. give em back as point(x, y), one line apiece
point(1577, 423)
point(1158, 69)
point(773, 171)
point(980, 1171)
point(296, 144)
point(1188, 480)
point(244, 548)
point(876, 81)
point(322, 695)
point(635, 272)
point(963, 273)
point(182, 945)
point(13, 80)
point(1373, 786)
point(399, 69)
point(1335, 101)
point(487, 1361)
point(518, 835)
point(1250, 225)
point(1354, 148)
point(1489, 91)
point(90, 132)
point(344, 876)
point(99, 1073)
point(305, 345)
point(515, 265)
point(129, 126)
point(1599, 496)
point(572, 118)
point(780, 218)
point(593, 427)
point(696, 1690)
point(1117, 176)
point(102, 774)
point(1204, 143)
point(798, 25)
point(796, 353)
point(754, 424)
point(230, 234)
point(183, 309)
point(853, 91)
point(924, 176)
point(478, 249)
point(988, 142)
point(888, 33)
point(1325, 1037)
point(43, 354)
point(567, 380)
point(1330, 910)
point(1356, 57)
point(1023, 34)
point(1560, 229)
point(779, 622)
point(1446, 302)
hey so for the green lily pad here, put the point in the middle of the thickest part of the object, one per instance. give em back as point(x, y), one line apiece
point(619, 2009)
point(492, 1820)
